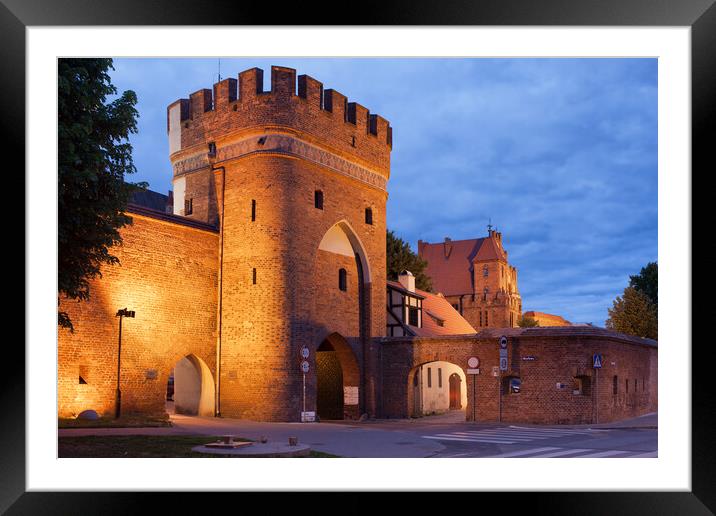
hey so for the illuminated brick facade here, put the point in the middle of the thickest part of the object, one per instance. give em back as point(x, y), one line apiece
point(276, 243)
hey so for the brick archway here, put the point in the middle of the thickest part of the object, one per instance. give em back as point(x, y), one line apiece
point(429, 388)
point(338, 379)
point(192, 386)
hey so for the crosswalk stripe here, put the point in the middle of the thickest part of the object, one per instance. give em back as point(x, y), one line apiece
point(607, 453)
point(557, 430)
point(496, 436)
point(524, 452)
point(559, 453)
point(517, 434)
point(651, 454)
point(467, 439)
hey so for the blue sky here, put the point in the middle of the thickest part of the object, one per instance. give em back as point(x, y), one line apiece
point(561, 155)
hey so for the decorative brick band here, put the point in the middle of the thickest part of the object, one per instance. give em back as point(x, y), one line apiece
point(284, 144)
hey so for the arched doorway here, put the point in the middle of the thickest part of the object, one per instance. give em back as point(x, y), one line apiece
point(190, 388)
point(337, 380)
point(455, 392)
point(435, 388)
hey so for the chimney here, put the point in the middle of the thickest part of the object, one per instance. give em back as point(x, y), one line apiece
point(169, 208)
point(407, 279)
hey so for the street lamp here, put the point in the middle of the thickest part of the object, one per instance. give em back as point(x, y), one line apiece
point(123, 312)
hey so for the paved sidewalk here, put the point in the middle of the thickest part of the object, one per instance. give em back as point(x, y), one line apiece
point(344, 440)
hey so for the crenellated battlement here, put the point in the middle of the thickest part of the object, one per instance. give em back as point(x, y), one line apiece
point(297, 103)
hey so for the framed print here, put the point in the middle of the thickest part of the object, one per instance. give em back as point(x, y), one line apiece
point(35, 35)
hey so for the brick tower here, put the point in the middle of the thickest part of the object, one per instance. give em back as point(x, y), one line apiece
point(295, 178)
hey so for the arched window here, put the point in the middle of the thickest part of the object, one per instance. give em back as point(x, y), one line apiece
point(485, 271)
point(484, 293)
point(318, 199)
point(342, 280)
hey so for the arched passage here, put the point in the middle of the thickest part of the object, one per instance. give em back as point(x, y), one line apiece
point(191, 387)
point(337, 380)
point(436, 387)
point(342, 303)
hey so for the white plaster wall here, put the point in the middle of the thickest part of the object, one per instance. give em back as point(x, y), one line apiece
point(437, 399)
point(334, 241)
point(174, 129)
point(193, 387)
point(179, 185)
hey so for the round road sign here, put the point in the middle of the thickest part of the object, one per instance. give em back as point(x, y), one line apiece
point(304, 352)
point(473, 362)
point(304, 366)
point(503, 342)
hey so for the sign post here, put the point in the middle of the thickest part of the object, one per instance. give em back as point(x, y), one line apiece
point(305, 367)
point(597, 364)
point(472, 364)
point(503, 367)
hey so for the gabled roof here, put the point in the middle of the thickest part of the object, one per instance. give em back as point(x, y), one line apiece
point(436, 307)
point(450, 263)
point(150, 199)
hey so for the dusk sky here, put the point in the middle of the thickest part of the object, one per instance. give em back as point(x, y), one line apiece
point(560, 154)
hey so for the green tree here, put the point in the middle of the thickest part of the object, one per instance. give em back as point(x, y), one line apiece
point(400, 257)
point(633, 314)
point(647, 282)
point(527, 322)
point(94, 155)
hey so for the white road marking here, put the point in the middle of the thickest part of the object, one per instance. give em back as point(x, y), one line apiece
point(650, 454)
point(449, 437)
point(524, 452)
point(607, 453)
point(559, 453)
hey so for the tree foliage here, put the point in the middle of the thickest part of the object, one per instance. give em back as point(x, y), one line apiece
point(527, 322)
point(647, 282)
point(633, 314)
point(400, 257)
point(94, 155)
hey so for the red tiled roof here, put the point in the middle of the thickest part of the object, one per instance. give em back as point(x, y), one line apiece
point(435, 306)
point(450, 263)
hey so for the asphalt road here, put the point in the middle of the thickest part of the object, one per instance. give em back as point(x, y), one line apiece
point(447, 435)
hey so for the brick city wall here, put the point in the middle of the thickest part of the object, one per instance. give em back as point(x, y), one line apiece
point(168, 276)
point(542, 359)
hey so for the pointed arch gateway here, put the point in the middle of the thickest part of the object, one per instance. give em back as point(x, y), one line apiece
point(342, 308)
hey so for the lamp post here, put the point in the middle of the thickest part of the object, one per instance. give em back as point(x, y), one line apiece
point(123, 312)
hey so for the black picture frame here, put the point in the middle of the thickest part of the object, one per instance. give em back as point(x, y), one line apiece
point(16, 15)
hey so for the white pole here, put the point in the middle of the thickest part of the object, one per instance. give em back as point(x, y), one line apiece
point(303, 416)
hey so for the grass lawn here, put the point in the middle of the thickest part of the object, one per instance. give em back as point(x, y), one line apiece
point(128, 421)
point(142, 446)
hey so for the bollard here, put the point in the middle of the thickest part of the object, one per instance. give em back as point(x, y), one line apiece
point(293, 441)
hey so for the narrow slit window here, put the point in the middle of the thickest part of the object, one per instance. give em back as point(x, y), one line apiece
point(253, 210)
point(318, 199)
point(189, 206)
point(369, 216)
point(430, 377)
point(440, 377)
point(253, 276)
point(342, 280)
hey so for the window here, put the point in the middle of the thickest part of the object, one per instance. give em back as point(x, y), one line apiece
point(253, 210)
point(430, 377)
point(318, 199)
point(486, 323)
point(582, 385)
point(615, 385)
point(485, 271)
point(254, 277)
point(369, 216)
point(480, 318)
point(342, 280)
point(412, 316)
point(83, 375)
point(440, 377)
point(188, 206)
point(511, 385)
point(626, 383)
point(484, 294)
point(212, 149)
point(456, 307)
